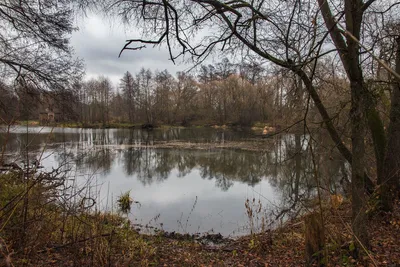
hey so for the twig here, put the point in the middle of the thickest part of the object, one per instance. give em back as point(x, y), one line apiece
point(75, 242)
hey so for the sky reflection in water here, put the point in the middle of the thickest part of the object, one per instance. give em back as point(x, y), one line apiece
point(179, 189)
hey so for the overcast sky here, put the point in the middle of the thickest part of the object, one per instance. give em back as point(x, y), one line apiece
point(99, 42)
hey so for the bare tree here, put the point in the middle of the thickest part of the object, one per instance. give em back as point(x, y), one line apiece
point(34, 43)
point(144, 94)
point(184, 98)
point(291, 34)
point(165, 83)
point(129, 89)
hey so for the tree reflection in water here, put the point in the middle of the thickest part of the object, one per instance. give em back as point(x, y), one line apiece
point(286, 163)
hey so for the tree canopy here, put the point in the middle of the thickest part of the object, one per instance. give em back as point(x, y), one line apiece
point(34, 43)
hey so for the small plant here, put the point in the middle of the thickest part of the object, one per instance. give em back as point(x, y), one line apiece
point(125, 202)
point(254, 212)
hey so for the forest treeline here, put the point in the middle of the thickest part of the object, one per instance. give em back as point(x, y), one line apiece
point(221, 93)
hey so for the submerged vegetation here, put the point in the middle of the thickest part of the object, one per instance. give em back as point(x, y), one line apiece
point(125, 202)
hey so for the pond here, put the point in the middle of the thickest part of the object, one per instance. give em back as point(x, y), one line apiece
point(226, 190)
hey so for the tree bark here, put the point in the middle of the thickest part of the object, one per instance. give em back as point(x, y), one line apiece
point(314, 239)
point(389, 186)
point(368, 184)
point(353, 17)
point(374, 121)
point(378, 134)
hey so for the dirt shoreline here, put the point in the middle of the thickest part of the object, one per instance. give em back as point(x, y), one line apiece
point(284, 246)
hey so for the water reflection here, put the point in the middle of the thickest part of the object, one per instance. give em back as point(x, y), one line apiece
point(167, 181)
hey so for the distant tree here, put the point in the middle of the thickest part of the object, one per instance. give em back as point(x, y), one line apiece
point(9, 104)
point(67, 103)
point(145, 91)
point(253, 72)
point(118, 108)
point(28, 101)
point(207, 73)
point(164, 84)
point(99, 94)
point(129, 90)
point(224, 68)
point(106, 91)
point(184, 98)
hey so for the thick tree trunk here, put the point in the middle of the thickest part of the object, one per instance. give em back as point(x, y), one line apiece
point(390, 185)
point(358, 150)
point(368, 184)
point(298, 158)
point(314, 239)
point(353, 19)
point(378, 134)
point(358, 120)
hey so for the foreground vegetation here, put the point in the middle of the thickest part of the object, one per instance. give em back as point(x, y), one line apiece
point(43, 225)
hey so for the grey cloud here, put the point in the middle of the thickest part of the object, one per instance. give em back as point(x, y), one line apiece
point(99, 45)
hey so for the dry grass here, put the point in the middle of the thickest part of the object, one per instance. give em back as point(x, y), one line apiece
point(38, 228)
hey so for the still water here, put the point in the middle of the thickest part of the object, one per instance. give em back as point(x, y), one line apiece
point(184, 190)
